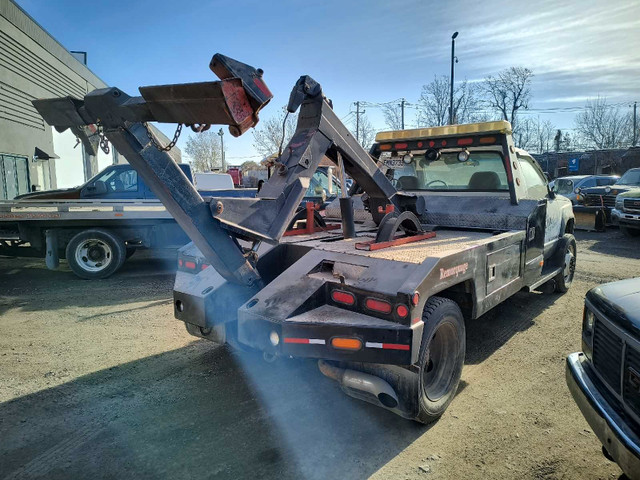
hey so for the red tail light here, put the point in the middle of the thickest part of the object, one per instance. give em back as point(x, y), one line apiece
point(180, 262)
point(415, 299)
point(401, 146)
point(465, 141)
point(377, 305)
point(402, 311)
point(340, 296)
point(190, 265)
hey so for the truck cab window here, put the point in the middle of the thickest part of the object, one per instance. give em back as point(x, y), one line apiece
point(483, 171)
point(534, 180)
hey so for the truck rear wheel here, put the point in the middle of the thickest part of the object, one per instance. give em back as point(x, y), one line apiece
point(95, 253)
point(441, 357)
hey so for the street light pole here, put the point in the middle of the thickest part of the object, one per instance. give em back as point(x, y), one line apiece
point(221, 133)
point(453, 57)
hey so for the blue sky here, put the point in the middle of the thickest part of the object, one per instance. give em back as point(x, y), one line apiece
point(370, 51)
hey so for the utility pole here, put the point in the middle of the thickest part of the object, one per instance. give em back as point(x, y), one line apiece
point(402, 102)
point(358, 113)
point(635, 124)
point(221, 133)
point(453, 57)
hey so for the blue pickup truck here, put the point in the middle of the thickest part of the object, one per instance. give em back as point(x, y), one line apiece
point(122, 182)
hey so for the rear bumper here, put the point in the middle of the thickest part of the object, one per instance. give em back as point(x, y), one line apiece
point(310, 335)
point(610, 427)
point(625, 219)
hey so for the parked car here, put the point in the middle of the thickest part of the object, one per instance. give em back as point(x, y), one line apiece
point(605, 196)
point(626, 213)
point(570, 186)
point(604, 378)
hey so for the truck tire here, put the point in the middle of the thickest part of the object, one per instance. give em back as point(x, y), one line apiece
point(565, 277)
point(95, 253)
point(629, 232)
point(441, 357)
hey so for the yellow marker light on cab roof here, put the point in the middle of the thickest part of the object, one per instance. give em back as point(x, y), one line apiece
point(501, 126)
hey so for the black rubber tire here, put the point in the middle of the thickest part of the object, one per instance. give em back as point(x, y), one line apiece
point(117, 253)
point(630, 232)
point(443, 322)
point(562, 281)
point(130, 252)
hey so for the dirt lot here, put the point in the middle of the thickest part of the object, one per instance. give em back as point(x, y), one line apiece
point(97, 380)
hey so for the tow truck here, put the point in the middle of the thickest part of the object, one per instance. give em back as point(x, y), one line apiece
point(454, 221)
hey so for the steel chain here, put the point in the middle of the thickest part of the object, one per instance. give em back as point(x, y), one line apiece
point(104, 143)
point(170, 145)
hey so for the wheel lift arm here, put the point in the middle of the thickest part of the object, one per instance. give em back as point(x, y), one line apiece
point(233, 101)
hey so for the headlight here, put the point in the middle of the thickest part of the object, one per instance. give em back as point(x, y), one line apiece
point(589, 320)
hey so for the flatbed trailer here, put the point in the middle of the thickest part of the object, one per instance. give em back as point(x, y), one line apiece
point(454, 221)
point(95, 236)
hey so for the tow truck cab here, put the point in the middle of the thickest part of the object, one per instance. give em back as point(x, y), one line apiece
point(494, 228)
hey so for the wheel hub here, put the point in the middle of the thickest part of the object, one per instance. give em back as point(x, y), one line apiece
point(94, 255)
point(569, 265)
point(438, 372)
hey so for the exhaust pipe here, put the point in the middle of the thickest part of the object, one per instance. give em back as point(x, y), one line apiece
point(362, 386)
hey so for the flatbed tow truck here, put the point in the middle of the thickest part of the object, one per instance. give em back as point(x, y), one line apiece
point(457, 220)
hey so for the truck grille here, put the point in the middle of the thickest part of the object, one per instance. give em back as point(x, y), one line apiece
point(599, 200)
point(607, 355)
point(632, 204)
point(631, 382)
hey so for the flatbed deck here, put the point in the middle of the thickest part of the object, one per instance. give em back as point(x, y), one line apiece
point(446, 242)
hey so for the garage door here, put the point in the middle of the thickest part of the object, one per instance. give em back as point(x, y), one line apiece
point(14, 176)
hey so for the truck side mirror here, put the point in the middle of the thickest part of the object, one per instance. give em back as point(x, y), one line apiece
point(97, 188)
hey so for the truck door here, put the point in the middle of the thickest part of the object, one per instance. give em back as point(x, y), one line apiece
point(544, 222)
point(553, 222)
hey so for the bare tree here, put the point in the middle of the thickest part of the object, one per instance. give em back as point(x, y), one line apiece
point(249, 165)
point(267, 137)
point(535, 135)
point(204, 150)
point(508, 92)
point(366, 133)
point(393, 115)
point(433, 106)
point(546, 133)
point(525, 136)
point(603, 126)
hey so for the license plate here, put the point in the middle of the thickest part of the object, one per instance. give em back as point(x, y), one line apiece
point(634, 380)
point(394, 162)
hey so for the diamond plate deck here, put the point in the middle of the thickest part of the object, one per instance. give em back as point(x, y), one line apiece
point(445, 243)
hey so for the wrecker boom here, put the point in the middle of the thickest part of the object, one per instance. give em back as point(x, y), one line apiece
point(235, 100)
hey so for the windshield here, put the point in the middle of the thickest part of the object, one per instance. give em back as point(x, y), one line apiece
point(632, 177)
point(483, 171)
point(564, 186)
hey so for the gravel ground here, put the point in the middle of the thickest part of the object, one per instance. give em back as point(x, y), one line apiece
point(98, 380)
